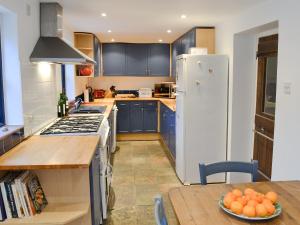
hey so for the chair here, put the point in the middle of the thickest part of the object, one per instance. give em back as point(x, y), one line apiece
point(228, 166)
point(159, 211)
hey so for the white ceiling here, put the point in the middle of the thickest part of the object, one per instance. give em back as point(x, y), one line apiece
point(147, 20)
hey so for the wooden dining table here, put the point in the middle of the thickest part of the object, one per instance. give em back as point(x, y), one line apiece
point(198, 204)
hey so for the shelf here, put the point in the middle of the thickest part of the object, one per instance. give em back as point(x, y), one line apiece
point(87, 49)
point(54, 214)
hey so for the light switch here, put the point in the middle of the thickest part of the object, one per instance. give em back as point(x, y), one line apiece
point(287, 88)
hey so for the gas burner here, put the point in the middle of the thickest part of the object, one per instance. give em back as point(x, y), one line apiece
point(74, 125)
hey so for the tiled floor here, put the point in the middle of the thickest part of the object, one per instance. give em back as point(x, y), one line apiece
point(141, 171)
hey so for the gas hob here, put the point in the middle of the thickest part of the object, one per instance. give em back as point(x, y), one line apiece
point(75, 125)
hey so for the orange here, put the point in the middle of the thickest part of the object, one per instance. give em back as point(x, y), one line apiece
point(249, 211)
point(252, 202)
point(227, 201)
point(237, 192)
point(271, 195)
point(248, 191)
point(231, 195)
point(243, 200)
point(236, 207)
point(269, 207)
point(266, 200)
point(261, 210)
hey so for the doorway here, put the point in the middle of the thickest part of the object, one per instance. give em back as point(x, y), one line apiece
point(265, 104)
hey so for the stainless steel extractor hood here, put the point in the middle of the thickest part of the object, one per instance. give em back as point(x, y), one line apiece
point(50, 46)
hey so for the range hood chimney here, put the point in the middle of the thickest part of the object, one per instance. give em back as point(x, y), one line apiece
point(50, 46)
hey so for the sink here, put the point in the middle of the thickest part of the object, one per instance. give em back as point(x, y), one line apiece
point(89, 109)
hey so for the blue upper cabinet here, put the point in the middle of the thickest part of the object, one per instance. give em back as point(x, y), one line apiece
point(176, 50)
point(188, 41)
point(136, 59)
point(97, 56)
point(159, 60)
point(114, 59)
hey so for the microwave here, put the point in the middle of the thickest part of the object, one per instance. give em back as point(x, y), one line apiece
point(164, 90)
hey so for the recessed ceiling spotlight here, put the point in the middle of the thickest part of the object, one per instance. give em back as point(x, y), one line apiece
point(160, 40)
point(183, 16)
point(109, 31)
point(169, 31)
point(112, 40)
point(103, 14)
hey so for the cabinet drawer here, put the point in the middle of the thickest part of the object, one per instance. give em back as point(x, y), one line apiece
point(136, 104)
point(150, 104)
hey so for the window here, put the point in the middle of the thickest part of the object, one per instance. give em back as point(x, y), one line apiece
point(2, 117)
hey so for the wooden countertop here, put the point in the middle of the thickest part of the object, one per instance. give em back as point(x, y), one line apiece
point(50, 152)
point(199, 204)
point(171, 103)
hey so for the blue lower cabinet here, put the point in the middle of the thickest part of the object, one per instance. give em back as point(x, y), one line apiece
point(150, 117)
point(123, 117)
point(136, 117)
point(168, 128)
point(95, 192)
point(172, 134)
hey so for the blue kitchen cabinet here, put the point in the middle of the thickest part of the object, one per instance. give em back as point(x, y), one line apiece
point(97, 57)
point(136, 117)
point(95, 193)
point(172, 133)
point(150, 117)
point(168, 128)
point(176, 50)
point(123, 117)
point(188, 41)
point(136, 59)
point(159, 60)
point(114, 59)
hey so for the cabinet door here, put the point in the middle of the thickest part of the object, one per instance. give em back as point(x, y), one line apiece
point(136, 59)
point(150, 116)
point(176, 50)
point(136, 117)
point(95, 194)
point(172, 134)
point(97, 57)
point(159, 60)
point(188, 41)
point(123, 120)
point(113, 59)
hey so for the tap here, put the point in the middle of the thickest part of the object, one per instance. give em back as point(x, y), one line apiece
point(78, 103)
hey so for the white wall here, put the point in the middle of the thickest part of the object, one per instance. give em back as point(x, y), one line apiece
point(126, 83)
point(229, 37)
point(30, 89)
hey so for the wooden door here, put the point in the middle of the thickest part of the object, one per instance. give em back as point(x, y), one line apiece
point(265, 104)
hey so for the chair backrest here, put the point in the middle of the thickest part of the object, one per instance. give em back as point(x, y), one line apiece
point(159, 211)
point(228, 166)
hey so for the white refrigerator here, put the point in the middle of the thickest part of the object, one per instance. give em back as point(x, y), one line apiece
point(201, 114)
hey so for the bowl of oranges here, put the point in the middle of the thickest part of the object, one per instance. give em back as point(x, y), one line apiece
point(250, 204)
